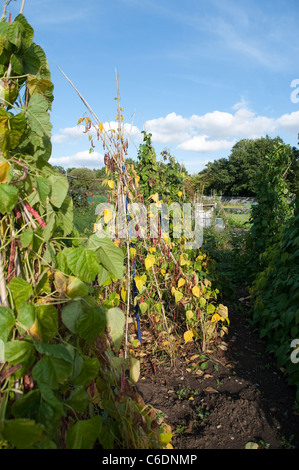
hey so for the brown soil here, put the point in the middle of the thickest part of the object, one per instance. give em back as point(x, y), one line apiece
point(241, 397)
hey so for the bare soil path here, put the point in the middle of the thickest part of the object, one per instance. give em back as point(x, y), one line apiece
point(240, 397)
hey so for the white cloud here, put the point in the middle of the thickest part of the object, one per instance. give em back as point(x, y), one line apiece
point(79, 160)
point(75, 134)
point(172, 128)
point(209, 132)
point(289, 122)
point(202, 143)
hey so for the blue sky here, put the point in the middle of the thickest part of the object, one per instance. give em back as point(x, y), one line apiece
point(199, 75)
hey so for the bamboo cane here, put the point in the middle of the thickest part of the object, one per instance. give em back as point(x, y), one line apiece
point(22, 7)
point(3, 289)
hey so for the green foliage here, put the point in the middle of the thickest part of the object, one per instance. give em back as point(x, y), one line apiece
point(153, 174)
point(58, 385)
point(272, 261)
point(236, 175)
point(273, 209)
point(275, 294)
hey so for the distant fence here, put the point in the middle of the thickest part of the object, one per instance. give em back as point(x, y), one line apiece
point(232, 199)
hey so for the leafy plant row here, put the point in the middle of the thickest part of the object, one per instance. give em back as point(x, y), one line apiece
point(62, 384)
point(273, 252)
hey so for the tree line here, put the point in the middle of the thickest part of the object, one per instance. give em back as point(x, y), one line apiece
point(232, 176)
point(236, 175)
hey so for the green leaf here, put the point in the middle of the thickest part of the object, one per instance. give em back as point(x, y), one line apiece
point(49, 229)
point(70, 315)
point(47, 321)
point(76, 288)
point(52, 371)
point(8, 197)
point(23, 433)
point(27, 238)
point(210, 309)
point(89, 371)
point(65, 216)
point(55, 350)
point(83, 434)
point(143, 306)
point(20, 290)
point(78, 399)
point(91, 324)
point(83, 263)
point(43, 188)
point(59, 189)
point(20, 352)
point(38, 117)
point(26, 30)
point(7, 322)
point(42, 406)
point(103, 275)
point(110, 256)
point(26, 316)
point(115, 320)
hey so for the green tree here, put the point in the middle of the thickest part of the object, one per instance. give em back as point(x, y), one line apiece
point(236, 175)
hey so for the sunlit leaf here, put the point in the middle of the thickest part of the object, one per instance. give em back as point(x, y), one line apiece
point(216, 318)
point(189, 314)
point(140, 281)
point(196, 291)
point(188, 335)
point(107, 215)
point(149, 262)
point(4, 169)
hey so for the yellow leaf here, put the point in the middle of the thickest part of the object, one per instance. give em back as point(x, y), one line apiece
point(181, 282)
point(134, 369)
point(216, 318)
point(169, 446)
point(223, 311)
point(117, 243)
point(107, 215)
point(4, 169)
point(196, 291)
point(189, 314)
point(101, 127)
point(183, 260)
point(152, 250)
point(191, 398)
point(163, 272)
point(195, 356)
point(149, 262)
point(123, 294)
point(154, 197)
point(188, 335)
point(165, 438)
point(132, 252)
point(110, 184)
point(140, 281)
point(34, 331)
point(178, 296)
point(60, 282)
point(80, 120)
